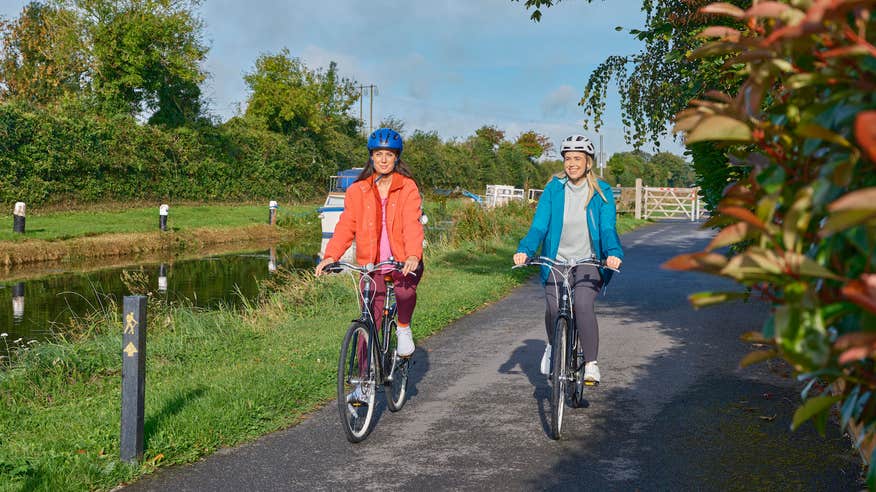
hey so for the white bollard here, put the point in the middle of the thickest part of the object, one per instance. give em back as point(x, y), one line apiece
point(162, 216)
point(18, 218)
point(272, 212)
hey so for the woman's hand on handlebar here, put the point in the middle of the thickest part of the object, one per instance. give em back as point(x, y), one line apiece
point(520, 258)
point(323, 264)
point(613, 262)
point(411, 264)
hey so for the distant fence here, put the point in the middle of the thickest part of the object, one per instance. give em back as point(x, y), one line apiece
point(646, 202)
point(501, 194)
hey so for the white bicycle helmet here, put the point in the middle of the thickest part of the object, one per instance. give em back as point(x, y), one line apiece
point(577, 143)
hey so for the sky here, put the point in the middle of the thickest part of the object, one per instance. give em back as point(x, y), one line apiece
point(449, 66)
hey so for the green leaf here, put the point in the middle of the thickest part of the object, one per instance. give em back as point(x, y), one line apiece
point(811, 408)
point(811, 130)
point(803, 265)
point(757, 356)
point(719, 128)
point(851, 407)
point(705, 299)
point(871, 471)
point(840, 221)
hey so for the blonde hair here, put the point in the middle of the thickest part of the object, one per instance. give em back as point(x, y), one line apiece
point(591, 178)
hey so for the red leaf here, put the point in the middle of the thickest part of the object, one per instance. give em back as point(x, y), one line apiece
point(707, 262)
point(861, 293)
point(744, 215)
point(854, 354)
point(865, 133)
point(767, 9)
point(863, 199)
point(723, 8)
point(856, 339)
point(723, 32)
point(729, 235)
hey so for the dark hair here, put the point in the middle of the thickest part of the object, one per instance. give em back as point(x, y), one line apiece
point(400, 167)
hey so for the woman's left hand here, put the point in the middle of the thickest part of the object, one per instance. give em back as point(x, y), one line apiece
point(411, 264)
point(613, 262)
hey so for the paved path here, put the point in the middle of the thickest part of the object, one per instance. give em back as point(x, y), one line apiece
point(673, 412)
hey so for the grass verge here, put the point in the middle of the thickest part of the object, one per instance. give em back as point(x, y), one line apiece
point(61, 225)
point(126, 233)
point(219, 378)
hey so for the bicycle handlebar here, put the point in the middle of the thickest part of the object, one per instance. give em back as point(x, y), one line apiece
point(552, 263)
point(342, 266)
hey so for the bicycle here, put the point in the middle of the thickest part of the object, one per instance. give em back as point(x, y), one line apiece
point(368, 358)
point(567, 360)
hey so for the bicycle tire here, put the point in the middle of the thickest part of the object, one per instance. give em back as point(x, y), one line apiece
point(353, 371)
point(397, 381)
point(558, 376)
point(576, 386)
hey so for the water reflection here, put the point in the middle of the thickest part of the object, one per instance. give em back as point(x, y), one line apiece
point(52, 301)
point(18, 302)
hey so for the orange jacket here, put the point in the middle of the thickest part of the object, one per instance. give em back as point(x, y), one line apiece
point(361, 220)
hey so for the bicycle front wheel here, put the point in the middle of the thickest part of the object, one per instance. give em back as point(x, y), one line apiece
point(397, 381)
point(357, 382)
point(558, 376)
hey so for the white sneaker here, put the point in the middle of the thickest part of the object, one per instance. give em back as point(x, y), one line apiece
point(546, 361)
point(405, 340)
point(591, 372)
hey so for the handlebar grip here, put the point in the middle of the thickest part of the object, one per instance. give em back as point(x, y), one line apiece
point(333, 267)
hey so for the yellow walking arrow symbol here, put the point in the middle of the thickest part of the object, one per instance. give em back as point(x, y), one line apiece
point(130, 349)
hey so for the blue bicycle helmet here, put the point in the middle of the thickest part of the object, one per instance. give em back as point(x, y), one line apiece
point(385, 138)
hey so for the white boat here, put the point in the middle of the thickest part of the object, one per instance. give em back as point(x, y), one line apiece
point(330, 212)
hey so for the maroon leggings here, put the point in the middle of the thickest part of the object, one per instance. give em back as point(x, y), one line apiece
point(405, 294)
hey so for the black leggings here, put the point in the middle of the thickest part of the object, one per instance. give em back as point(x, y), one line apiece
point(586, 282)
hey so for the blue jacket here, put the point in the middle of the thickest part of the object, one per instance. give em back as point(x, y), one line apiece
point(547, 225)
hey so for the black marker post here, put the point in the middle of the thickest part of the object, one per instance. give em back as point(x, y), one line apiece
point(133, 377)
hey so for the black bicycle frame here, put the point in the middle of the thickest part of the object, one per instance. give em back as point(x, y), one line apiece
point(382, 335)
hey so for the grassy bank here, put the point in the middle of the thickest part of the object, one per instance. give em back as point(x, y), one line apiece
point(60, 225)
point(99, 234)
point(219, 378)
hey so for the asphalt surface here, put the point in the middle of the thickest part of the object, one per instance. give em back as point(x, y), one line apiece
point(674, 411)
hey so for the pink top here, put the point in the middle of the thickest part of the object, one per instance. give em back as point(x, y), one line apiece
point(385, 250)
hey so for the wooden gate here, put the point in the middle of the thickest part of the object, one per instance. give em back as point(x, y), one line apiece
point(671, 203)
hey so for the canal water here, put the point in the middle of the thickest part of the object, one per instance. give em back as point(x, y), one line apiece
point(38, 308)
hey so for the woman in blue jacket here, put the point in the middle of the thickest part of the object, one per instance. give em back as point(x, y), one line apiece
point(575, 219)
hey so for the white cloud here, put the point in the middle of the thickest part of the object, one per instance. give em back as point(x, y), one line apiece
point(560, 102)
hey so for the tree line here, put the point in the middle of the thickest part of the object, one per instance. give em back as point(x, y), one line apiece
point(101, 100)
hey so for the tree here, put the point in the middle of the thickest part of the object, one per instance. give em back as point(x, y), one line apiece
point(42, 56)
point(145, 57)
point(288, 97)
point(801, 221)
point(534, 145)
point(672, 170)
point(393, 122)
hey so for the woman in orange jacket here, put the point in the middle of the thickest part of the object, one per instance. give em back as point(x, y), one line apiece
point(382, 211)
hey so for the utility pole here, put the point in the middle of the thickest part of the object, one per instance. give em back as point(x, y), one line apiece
point(362, 121)
point(371, 111)
point(601, 157)
point(371, 88)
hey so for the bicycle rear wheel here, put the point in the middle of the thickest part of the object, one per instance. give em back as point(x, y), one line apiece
point(558, 376)
point(357, 378)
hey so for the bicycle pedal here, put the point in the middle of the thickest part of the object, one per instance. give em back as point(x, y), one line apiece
point(591, 383)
